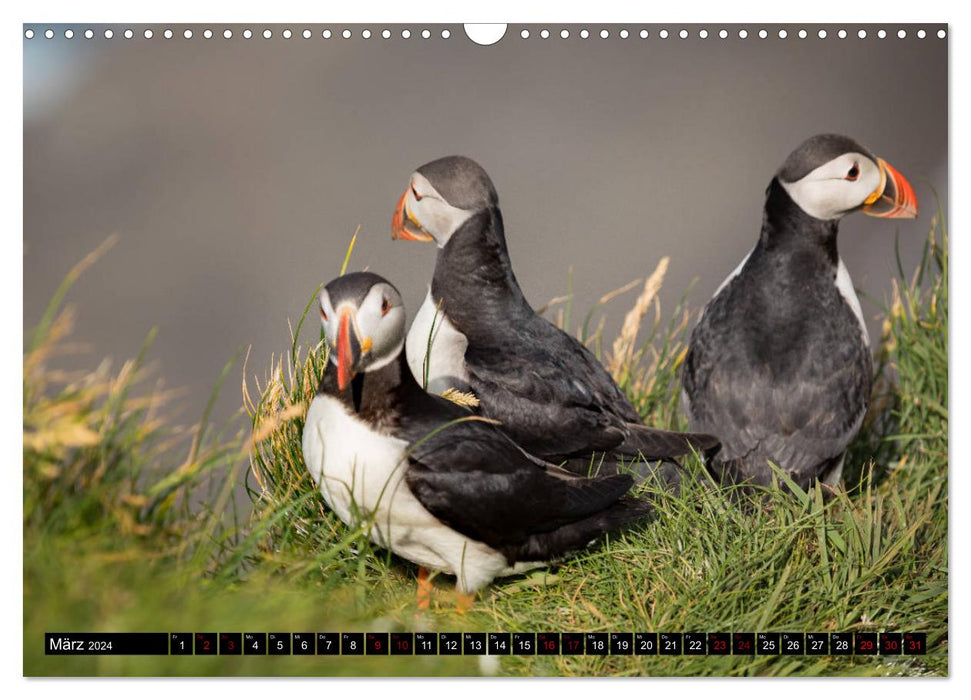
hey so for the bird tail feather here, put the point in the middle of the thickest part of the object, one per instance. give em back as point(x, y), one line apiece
point(547, 546)
point(653, 443)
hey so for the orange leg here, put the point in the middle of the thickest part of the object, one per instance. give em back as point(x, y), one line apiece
point(463, 601)
point(424, 597)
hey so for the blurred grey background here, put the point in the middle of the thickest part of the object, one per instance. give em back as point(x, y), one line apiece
point(235, 171)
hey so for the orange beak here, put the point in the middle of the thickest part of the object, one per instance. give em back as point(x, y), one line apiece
point(350, 348)
point(404, 226)
point(894, 198)
point(344, 356)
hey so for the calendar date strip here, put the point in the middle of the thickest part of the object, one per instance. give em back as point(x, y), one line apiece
point(485, 643)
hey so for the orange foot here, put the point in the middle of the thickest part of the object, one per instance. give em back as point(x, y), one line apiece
point(463, 602)
point(424, 596)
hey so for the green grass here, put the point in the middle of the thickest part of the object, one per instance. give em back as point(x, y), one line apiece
point(129, 524)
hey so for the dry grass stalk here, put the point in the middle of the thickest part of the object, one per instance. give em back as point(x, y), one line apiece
point(553, 302)
point(617, 292)
point(623, 349)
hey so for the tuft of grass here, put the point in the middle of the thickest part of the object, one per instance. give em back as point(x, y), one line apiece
point(94, 443)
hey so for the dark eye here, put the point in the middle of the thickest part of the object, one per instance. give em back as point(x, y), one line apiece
point(415, 192)
point(385, 306)
point(853, 173)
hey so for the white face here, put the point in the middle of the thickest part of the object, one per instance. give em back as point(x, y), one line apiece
point(836, 187)
point(431, 211)
point(379, 324)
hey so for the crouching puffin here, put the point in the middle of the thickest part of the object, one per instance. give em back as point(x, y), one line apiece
point(476, 332)
point(433, 483)
point(779, 365)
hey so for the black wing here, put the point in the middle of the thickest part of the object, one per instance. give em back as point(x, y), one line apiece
point(474, 479)
point(551, 393)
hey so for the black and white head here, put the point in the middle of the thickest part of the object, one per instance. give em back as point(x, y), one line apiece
point(830, 176)
point(441, 196)
point(364, 322)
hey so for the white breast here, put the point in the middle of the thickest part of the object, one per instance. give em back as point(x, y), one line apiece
point(444, 358)
point(845, 286)
point(360, 474)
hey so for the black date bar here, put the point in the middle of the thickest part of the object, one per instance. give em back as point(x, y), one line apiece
point(105, 643)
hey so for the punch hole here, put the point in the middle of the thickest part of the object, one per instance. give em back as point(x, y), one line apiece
point(841, 33)
point(545, 34)
point(742, 34)
point(803, 33)
point(821, 33)
point(346, 34)
point(228, 34)
point(783, 34)
point(366, 33)
point(167, 34)
point(327, 34)
point(703, 33)
point(207, 34)
point(307, 34)
point(921, 34)
point(683, 34)
point(564, 34)
point(446, 34)
point(624, 33)
point(267, 34)
point(644, 34)
point(89, 34)
point(941, 34)
point(763, 34)
point(386, 34)
point(287, 34)
point(129, 34)
point(861, 33)
point(902, 34)
point(723, 34)
point(149, 34)
point(405, 33)
point(187, 33)
point(882, 34)
point(524, 34)
point(29, 34)
point(663, 33)
point(425, 34)
point(485, 34)
point(584, 34)
point(604, 34)
point(69, 34)
point(247, 34)
point(49, 33)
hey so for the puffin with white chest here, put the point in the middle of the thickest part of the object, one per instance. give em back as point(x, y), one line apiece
point(476, 332)
point(431, 482)
point(779, 366)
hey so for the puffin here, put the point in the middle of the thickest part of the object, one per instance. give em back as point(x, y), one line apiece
point(779, 364)
point(438, 486)
point(477, 333)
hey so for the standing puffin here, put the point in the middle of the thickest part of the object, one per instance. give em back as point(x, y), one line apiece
point(436, 485)
point(476, 332)
point(779, 365)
